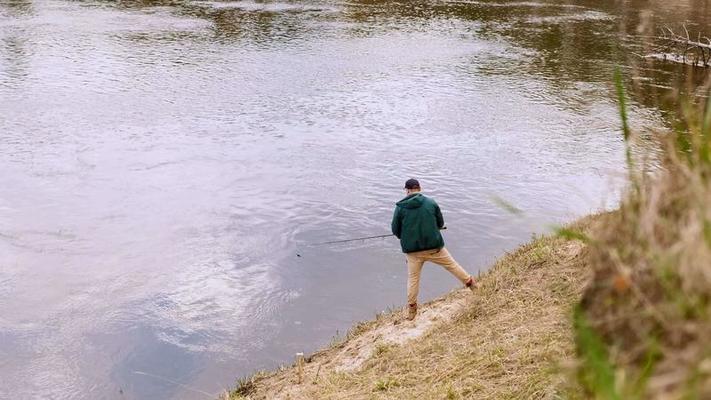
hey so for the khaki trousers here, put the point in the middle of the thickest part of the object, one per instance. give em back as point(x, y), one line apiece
point(414, 268)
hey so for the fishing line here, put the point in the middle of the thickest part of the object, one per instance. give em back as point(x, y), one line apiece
point(298, 253)
point(192, 389)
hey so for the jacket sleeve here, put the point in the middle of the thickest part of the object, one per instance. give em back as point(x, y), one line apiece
point(396, 225)
point(439, 217)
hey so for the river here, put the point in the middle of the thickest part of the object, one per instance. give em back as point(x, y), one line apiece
point(163, 162)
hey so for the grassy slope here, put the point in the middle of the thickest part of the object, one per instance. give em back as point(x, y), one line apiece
point(511, 339)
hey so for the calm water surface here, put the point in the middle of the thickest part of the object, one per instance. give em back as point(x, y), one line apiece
point(162, 163)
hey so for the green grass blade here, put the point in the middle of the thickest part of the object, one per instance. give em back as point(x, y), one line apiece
point(597, 373)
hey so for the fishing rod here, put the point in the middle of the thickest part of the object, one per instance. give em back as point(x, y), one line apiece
point(298, 254)
point(351, 240)
point(357, 239)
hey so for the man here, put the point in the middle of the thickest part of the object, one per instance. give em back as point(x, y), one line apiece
point(417, 222)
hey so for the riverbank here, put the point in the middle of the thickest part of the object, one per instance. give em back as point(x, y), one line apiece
point(513, 338)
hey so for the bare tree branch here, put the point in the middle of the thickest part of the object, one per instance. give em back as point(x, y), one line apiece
point(680, 47)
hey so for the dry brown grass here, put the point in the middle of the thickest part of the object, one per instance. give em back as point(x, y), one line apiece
point(510, 340)
point(647, 313)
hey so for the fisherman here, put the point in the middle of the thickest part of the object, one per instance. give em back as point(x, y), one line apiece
point(417, 222)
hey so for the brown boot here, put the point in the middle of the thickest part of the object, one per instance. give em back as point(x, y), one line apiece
point(411, 312)
point(471, 284)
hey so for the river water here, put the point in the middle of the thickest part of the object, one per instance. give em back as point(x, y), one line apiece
point(163, 162)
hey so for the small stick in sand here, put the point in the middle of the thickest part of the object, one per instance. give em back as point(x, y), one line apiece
point(317, 372)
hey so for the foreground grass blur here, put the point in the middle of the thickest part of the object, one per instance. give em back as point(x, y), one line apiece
point(643, 326)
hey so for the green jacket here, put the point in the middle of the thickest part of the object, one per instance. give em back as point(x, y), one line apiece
point(417, 222)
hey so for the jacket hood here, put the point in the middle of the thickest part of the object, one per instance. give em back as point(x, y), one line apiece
point(414, 200)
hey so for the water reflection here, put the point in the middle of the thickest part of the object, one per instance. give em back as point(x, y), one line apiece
point(573, 39)
point(14, 47)
point(163, 161)
point(16, 8)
